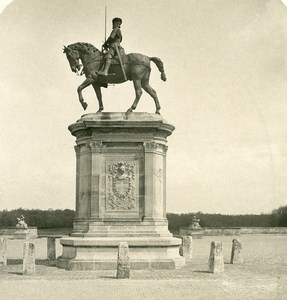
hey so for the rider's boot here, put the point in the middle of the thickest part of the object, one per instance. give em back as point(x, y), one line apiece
point(104, 72)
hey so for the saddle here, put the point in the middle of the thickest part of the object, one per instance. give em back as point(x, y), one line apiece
point(115, 59)
point(115, 67)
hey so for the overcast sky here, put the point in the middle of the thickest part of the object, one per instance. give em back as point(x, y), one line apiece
point(225, 62)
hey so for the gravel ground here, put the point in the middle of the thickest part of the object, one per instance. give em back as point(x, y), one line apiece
point(263, 275)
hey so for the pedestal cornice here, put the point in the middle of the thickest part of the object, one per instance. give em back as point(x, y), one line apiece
point(121, 122)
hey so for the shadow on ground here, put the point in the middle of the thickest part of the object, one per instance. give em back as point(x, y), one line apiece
point(108, 277)
point(201, 271)
point(42, 262)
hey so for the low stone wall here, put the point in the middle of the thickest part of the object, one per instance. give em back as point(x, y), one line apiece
point(236, 230)
point(263, 230)
point(33, 231)
point(221, 231)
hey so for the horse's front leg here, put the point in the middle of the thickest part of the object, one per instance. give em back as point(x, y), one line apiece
point(86, 83)
point(97, 89)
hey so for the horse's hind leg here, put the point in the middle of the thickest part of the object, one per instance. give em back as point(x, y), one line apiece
point(138, 90)
point(152, 93)
point(97, 89)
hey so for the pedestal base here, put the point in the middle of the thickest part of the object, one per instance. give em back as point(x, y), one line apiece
point(21, 234)
point(196, 234)
point(101, 253)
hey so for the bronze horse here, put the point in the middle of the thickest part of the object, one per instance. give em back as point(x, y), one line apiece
point(137, 69)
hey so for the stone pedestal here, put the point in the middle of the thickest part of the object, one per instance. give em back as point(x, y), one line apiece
point(21, 234)
point(194, 233)
point(120, 193)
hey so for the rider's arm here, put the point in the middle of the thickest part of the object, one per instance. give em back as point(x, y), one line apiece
point(112, 36)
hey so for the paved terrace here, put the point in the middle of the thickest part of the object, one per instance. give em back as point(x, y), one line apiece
point(262, 276)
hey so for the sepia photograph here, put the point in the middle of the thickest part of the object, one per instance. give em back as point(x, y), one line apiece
point(144, 149)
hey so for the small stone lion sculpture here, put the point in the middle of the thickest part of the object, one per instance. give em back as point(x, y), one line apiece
point(21, 223)
point(195, 223)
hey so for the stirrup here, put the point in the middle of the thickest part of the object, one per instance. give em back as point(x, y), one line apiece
point(101, 74)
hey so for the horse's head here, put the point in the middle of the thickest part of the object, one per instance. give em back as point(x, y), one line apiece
point(73, 57)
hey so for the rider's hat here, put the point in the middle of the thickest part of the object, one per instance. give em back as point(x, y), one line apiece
point(117, 20)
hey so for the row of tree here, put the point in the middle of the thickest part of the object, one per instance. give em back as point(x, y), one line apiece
point(217, 220)
point(278, 218)
point(64, 219)
point(39, 218)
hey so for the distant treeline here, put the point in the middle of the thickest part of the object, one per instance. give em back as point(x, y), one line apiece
point(64, 219)
point(278, 218)
point(217, 220)
point(40, 218)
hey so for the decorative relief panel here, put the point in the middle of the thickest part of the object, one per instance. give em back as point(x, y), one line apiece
point(164, 148)
point(150, 145)
point(122, 186)
point(96, 146)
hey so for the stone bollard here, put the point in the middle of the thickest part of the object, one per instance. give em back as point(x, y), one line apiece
point(180, 250)
point(3, 252)
point(187, 246)
point(51, 248)
point(29, 259)
point(236, 255)
point(216, 263)
point(123, 265)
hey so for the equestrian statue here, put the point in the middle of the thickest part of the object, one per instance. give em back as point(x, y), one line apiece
point(112, 65)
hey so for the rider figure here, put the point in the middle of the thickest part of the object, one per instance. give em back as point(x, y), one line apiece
point(112, 44)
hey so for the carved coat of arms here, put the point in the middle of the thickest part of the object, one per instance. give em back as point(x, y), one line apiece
point(121, 186)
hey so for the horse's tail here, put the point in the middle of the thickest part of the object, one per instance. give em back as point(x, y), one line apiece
point(159, 65)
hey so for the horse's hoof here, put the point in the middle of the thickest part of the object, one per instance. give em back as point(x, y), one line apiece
point(84, 105)
point(129, 111)
point(99, 110)
point(157, 112)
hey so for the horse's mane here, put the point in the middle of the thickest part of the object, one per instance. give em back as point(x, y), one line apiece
point(84, 46)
